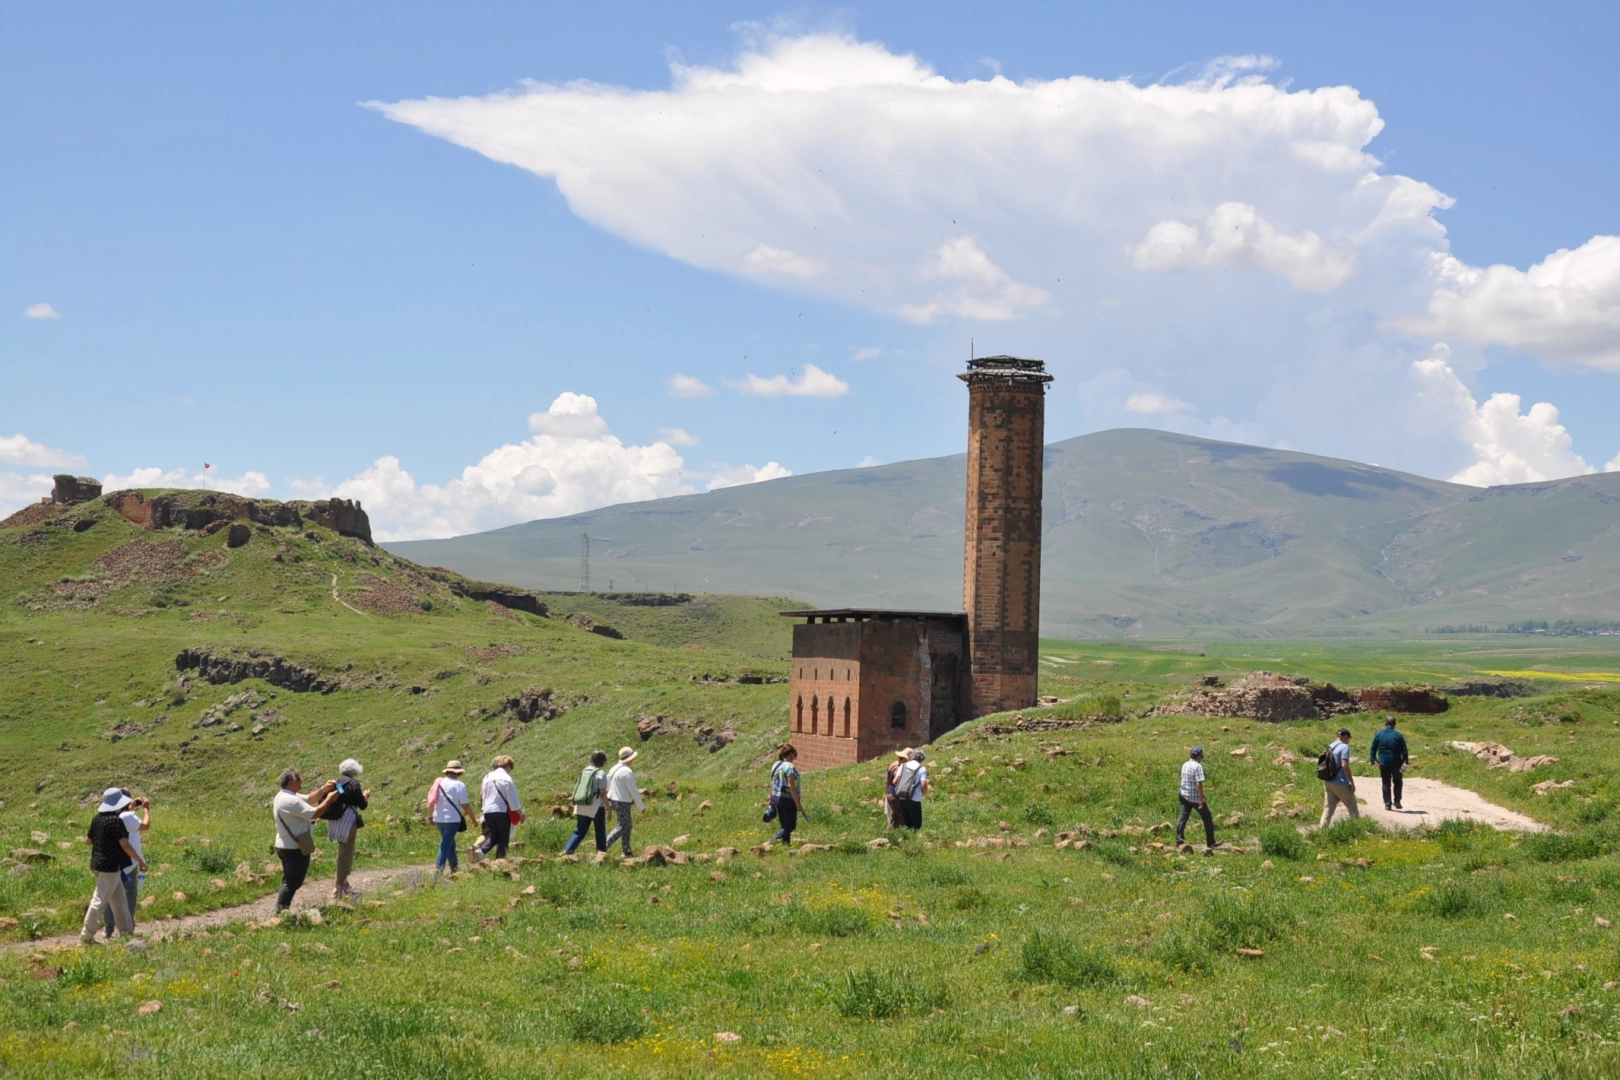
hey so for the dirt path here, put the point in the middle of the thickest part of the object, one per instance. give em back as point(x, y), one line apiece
point(1429, 802)
point(314, 894)
point(340, 599)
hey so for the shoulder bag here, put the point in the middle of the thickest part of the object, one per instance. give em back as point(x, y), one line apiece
point(305, 840)
point(461, 819)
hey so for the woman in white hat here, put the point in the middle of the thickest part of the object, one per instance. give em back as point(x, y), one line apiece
point(449, 811)
point(110, 852)
point(622, 793)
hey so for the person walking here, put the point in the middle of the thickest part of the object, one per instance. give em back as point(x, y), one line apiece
point(589, 806)
point(501, 808)
point(910, 785)
point(1192, 798)
point(295, 818)
point(343, 822)
point(891, 809)
point(135, 824)
point(622, 793)
point(449, 811)
point(1340, 787)
point(785, 798)
point(1388, 752)
point(110, 852)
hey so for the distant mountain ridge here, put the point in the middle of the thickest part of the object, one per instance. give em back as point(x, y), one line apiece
point(1147, 533)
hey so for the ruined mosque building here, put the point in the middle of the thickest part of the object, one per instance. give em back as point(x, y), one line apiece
point(866, 682)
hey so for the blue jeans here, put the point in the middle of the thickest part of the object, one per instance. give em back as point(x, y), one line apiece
point(448, 831)
point(787, 812)
point(582, 825)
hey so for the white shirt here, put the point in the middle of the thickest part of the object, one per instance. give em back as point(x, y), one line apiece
point(499, 792)
point(452, 797)
point(1192, 774)
point(907, 788)
point(622, 786)
point(289, 809)
point(132, 822)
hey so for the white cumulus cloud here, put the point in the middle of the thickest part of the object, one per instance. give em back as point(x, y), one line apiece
point(1566, 306)
point(687, 386)
point(812, 382)
point(251, 483)
point(571, 462)
point(18, 490)
point(1510, 446)
point(982, 290)
point(725, 476)
point(1236, 237)
point(41, 311)
point(19, 449)
point(768, 260)
point(1153, 403)
point(677, 436)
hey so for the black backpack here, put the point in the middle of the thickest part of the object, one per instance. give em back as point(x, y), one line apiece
point(1327, 766)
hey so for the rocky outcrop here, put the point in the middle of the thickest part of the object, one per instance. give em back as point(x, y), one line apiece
point(534, 704)
point(274, 670)
point(1263, 695)
point(343, 516)
point(1417, 699)
point(200, 509)
point(504, 595)
point(71, 490)
point(590, 623)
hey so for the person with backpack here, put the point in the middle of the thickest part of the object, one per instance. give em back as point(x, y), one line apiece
point(910, 785)
point(502, 809)
point(785, 802)
point(110, 852)
point(622, 794)
point(1192, 798)
point(891, 810)
point(1388, 752)
point(295, 831)
point(1338, 784)
point(589, 807)
point(135, 824)
point(343, 822)
point(449, 811)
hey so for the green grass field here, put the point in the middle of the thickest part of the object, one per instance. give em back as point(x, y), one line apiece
point(977, 949)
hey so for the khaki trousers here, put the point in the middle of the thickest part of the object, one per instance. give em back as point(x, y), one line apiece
point(1334, 793)
point(109, 893)
point(345, 864)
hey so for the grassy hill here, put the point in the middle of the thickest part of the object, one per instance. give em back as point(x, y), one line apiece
point(979, 948)
point(1148, 534)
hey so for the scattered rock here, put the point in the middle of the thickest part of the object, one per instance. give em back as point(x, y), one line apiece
point(1139, 1001)
point(727, 1037)
point(1550, 785)
point(1251, 954)
point(1601, 923)
point(878, 843)
point(149, 1008)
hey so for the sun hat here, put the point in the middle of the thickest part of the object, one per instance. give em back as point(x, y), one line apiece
point(1197, 751)
point(903, 754)
point(113, 799)
point(454, 767)
point(626, 755)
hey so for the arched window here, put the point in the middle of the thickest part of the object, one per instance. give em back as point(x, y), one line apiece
point(832, 716)
point(798, 718)
point(846, 718)
point(815, 713)
point(897, 716)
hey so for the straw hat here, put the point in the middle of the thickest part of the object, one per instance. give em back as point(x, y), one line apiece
point(453, 768)
point(903, 755)
point(112, 799)
point(626, 755)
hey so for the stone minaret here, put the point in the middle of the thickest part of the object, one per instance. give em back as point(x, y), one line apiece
point(1002, 577)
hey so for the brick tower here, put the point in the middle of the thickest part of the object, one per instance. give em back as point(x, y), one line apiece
point(1002, 576)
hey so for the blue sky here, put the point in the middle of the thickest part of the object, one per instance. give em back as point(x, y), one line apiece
point(213, 250)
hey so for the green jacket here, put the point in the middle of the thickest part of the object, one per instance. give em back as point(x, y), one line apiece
point(1388, 748)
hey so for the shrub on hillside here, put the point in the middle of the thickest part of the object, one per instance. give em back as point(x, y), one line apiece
point(1283, 842)
point(601, 1017)
point(1184, 952)
point(1242, 921)
point(1055, 958)
point(1453, 900)
point(1347, 831)
point(877, 994)
point(210, 860)
point(1558, 847)
point(1455, 834)
point(1036, 814)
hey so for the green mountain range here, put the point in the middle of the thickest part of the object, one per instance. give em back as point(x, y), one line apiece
point(1147, 534)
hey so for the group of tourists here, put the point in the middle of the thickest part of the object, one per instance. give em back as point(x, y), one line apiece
point(1388, 751)
point(119, 866)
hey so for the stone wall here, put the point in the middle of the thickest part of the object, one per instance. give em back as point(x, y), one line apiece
point(71, 490)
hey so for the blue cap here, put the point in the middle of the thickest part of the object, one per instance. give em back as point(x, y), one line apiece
point(1197, 751)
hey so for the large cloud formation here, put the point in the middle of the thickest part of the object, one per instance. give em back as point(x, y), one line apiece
point(1228, 241)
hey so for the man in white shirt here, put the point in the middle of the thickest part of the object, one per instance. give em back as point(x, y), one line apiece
point(1192, 798)
point(500, 800)
point(623, 793)
point(136, 824)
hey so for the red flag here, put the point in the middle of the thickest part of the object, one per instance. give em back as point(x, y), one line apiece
point(207, 465)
